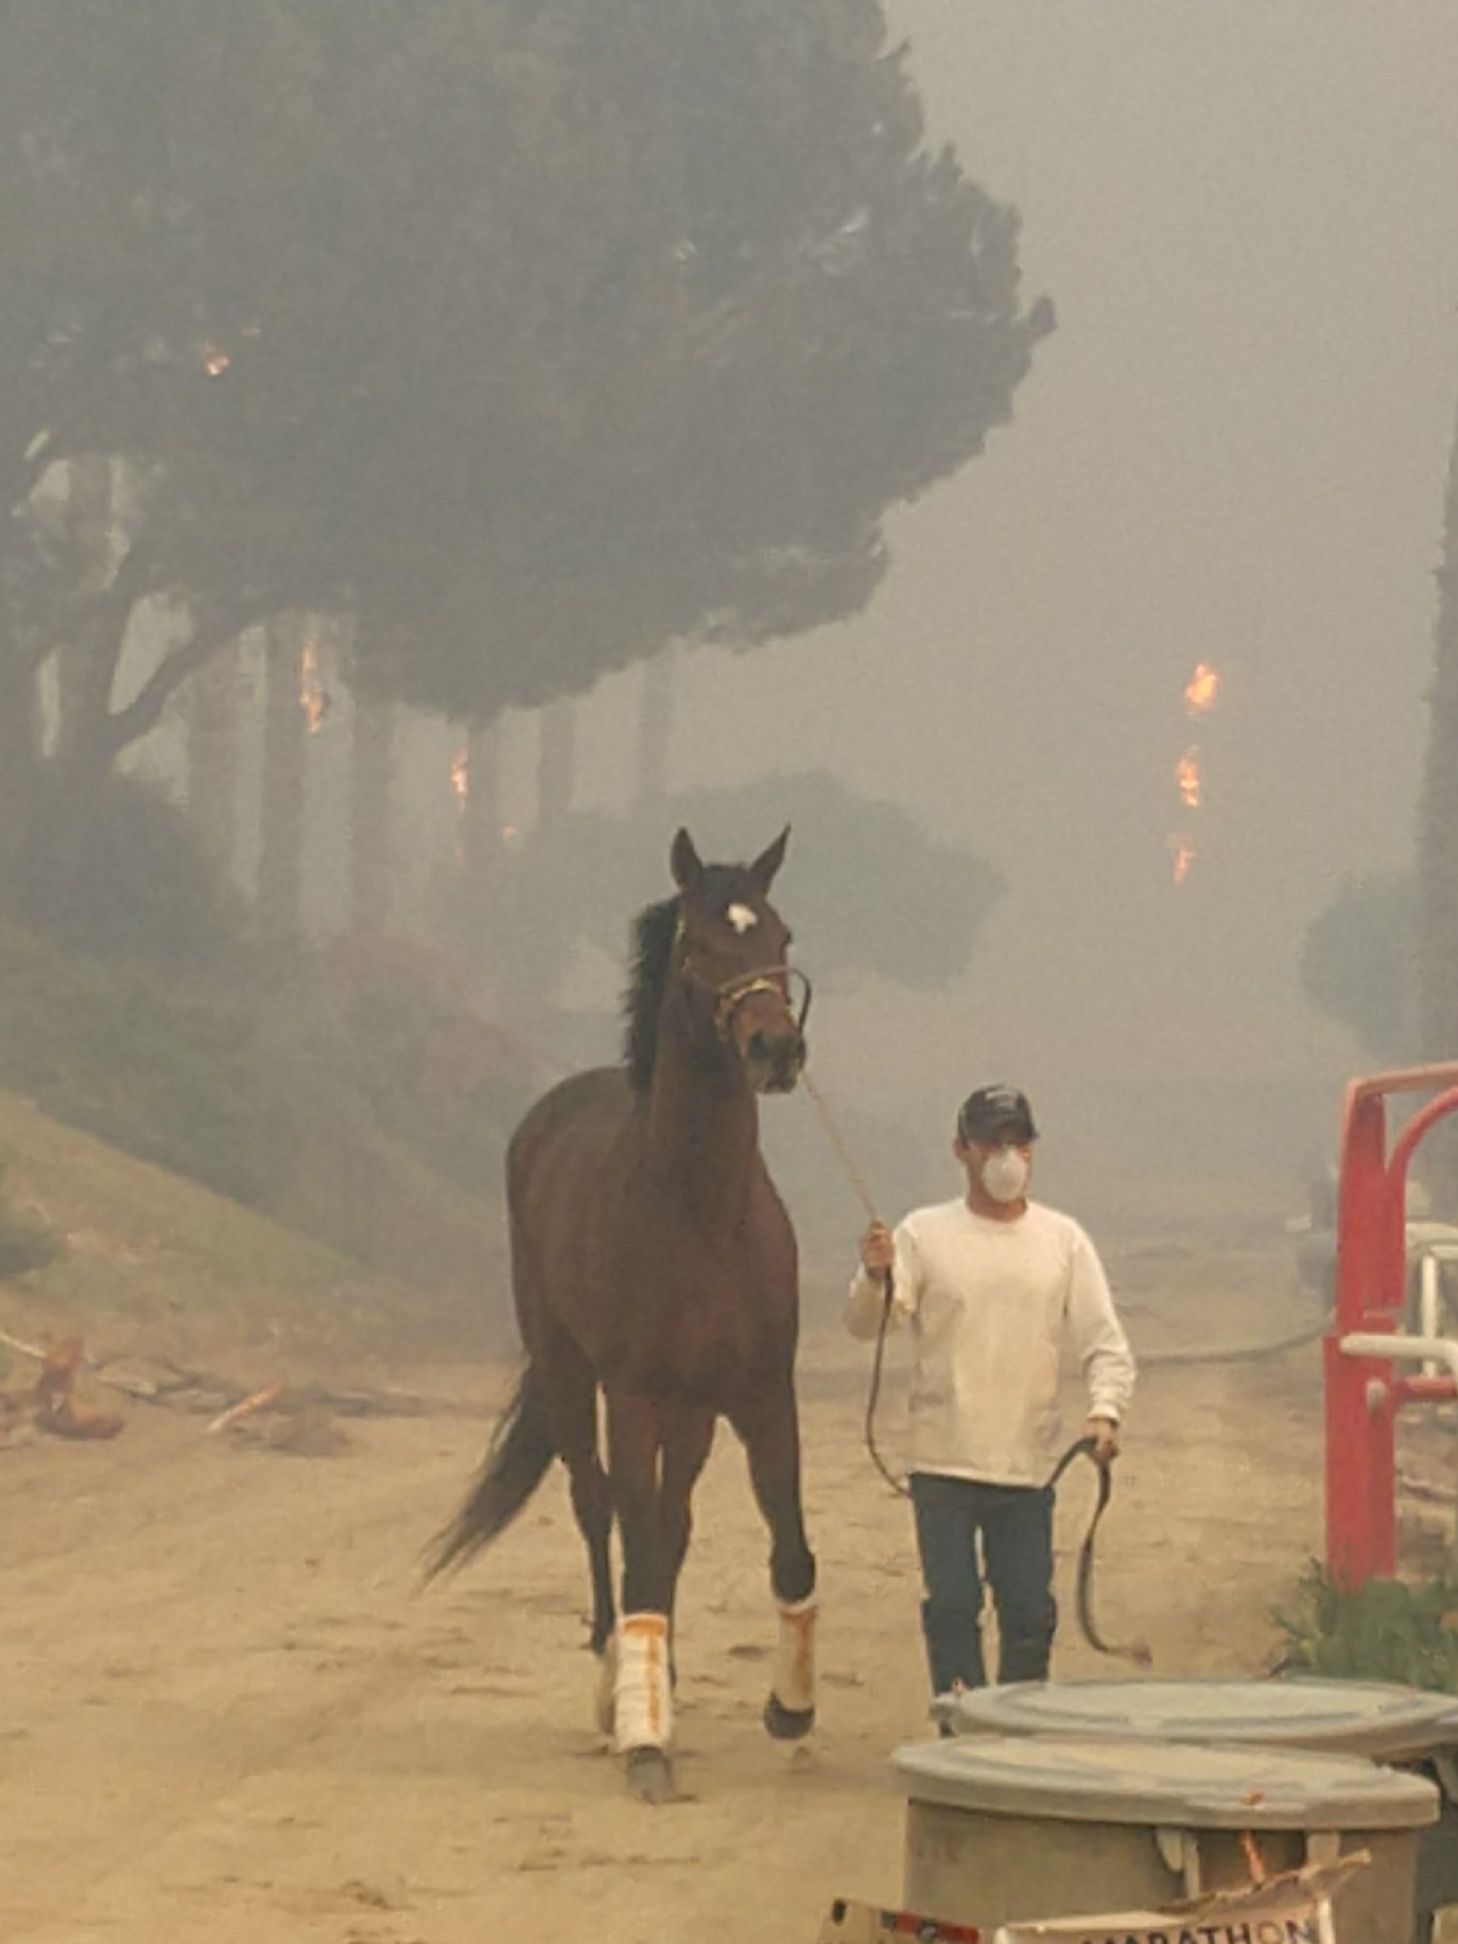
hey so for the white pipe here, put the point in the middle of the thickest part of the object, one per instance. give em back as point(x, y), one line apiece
point(1429, 1302)
point(1424, 1349)
point(1427, 1349)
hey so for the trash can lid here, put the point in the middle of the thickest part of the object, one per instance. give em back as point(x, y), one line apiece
point(1156, 1784)
point(1377, 1719)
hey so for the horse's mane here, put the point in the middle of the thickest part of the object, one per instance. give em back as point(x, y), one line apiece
point(653, 931)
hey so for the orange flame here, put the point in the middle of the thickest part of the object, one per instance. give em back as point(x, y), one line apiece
point(1202, 691)
point(1184, 857)
point(461, 775)
point(313, 696)
point(216, 360)
point(1189, 780)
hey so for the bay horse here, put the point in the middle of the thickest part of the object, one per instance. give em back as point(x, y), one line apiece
point(653, 1262)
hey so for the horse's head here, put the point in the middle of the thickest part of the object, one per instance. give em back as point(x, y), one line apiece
point(731, 950)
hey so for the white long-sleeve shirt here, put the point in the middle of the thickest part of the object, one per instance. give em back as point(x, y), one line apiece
point(991, 1305)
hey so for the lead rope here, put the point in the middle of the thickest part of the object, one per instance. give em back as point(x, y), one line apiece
point(863, 1196)
point(1136, 1652)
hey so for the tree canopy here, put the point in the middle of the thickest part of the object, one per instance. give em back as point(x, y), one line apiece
point(540, 333)
point(583, 879)
point(1359, 963)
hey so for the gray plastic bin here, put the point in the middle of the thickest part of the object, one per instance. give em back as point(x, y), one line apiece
point(1400, 1726)
point(1007, 1828)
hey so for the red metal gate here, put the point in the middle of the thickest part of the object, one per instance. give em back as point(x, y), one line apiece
point(1364, 1389)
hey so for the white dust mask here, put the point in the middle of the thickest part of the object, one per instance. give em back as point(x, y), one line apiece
point(1005, 1175)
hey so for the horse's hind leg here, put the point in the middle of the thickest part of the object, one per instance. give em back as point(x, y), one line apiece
point(770, 1430)
point(569, 1393)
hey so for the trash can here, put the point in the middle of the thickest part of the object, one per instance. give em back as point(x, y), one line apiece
point(1003, 1829)
point(1401, 1727)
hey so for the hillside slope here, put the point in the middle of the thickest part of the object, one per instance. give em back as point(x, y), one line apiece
point(155, 1262)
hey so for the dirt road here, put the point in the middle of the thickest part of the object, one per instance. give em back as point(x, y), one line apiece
point(227, 1712)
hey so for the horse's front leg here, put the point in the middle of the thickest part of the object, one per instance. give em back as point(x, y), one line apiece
point(688, 1438)
point(770, 1429)
point(642, 1690)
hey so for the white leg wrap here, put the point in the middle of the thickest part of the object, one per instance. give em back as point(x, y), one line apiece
point(642, 1699)
point(607, 1676)
point(794, 1679)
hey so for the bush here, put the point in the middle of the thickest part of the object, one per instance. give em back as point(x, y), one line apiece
point(26, 1242)
point(276, 1106)
point(1358, 964)
point(167, 1076)
point(443, 1082)
point(1386, 1631)
point(143, 889)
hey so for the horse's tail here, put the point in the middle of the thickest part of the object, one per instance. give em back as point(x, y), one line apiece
point(521, 1450)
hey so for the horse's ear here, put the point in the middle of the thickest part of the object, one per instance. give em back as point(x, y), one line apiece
point(763, 869)
point(685, 862)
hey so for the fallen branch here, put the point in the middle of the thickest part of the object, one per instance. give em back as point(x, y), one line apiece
point(25, 1349)
point(56, 1409)
point(247, 1407)
point(182, 1383)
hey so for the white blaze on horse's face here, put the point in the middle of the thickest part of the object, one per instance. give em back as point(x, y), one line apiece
point(741, 918)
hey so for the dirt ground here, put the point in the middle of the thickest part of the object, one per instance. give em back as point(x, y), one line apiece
point(227, 1710)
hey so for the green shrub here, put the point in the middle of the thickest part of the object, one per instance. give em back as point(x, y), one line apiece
point(1385, 1631)
point(167, 1076)
point(26, 1242)
point(441, 1081)
point(142, 890)
point(373, 1117)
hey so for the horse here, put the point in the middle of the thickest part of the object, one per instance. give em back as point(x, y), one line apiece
point(653, 1263)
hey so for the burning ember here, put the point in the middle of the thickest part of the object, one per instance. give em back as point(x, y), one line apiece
point(1188, 779)
point(216, 360)
point(461, 776)
point(314, 698)
point(1202, 691)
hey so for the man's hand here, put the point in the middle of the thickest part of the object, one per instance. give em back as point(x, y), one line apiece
point(1105, 1434)
point(878, 1251)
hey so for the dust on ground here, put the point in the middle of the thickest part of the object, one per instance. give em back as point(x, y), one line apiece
point(229, 1711)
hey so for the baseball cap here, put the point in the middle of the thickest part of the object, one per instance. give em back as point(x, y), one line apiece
point(996, 1113)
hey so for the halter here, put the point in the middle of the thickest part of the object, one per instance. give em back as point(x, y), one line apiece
point(730, 994)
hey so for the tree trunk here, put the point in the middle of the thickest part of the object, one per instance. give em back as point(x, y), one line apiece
point(19, 777)
point(285, 738)
point(481, 813)
point(371, 791)
point(1438, 827)
point(89, 514)
point(556, 764)
point(212, 753)
point(1437, 940)
point(655, 723)
point(539, 923)
point(77, 796)
point(482, 854)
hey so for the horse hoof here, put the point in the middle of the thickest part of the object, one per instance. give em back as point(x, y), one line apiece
point(650, 1775)
point(787, 1724)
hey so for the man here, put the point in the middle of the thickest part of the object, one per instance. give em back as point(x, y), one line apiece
point(993, 1286)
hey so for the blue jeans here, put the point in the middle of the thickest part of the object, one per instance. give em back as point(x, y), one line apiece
point(1014, 1524)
